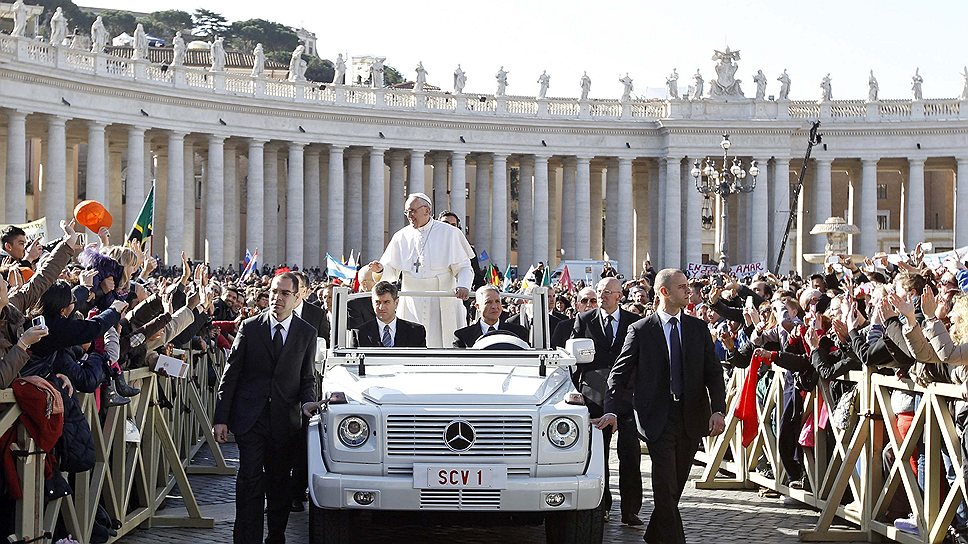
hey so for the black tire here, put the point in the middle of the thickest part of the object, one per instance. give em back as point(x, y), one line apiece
point(328, 526)
point(575, 526)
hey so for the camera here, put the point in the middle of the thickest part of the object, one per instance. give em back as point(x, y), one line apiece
point(39, 321)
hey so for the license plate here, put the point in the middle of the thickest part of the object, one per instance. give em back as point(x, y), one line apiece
point(460, 476)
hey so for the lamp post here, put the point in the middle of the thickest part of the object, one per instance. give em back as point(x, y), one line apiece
point(730, 179)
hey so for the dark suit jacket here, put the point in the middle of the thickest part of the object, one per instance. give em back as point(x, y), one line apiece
point(254, 377)
point(642, 371)
point(465, 337)
point(316, 316)
point(522, 320)
point(358, 312)
point(408, 335)
point(591, 379)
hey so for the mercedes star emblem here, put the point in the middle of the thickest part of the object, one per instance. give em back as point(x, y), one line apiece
point(459, 435)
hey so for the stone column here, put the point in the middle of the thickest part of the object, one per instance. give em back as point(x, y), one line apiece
point(458, 186)
point(175, 202)
point(692, 221)
point(375, 198)
point(914, 205)
point(868, 207)
point(233, 254)
point(397, 195)
point(271, 251)
point(597, 176)
point(55, 174)
point(255, 193)
point(583, 212)
point(73, 167)
point(611, 208)
point(780, 190)
point(295, 222)
point(822, 198)
point(672, 197)
point(526, 212)
point(499, 212)
point(134, 181)
point(625, 227)
point(188, 210)
point(96, 152)
point(311, 239)
point(161, 201)
point(214, 202)
point(323, 206)
point(961, 203)
point(482, 206)
point(353, 220)
point(568, 217)
point(542, 250)
point(441, 200)
point(16, 180)
point(759, 215)
point(335, 210)
point(417, 174)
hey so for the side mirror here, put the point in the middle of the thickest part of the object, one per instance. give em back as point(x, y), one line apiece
point(582, 349)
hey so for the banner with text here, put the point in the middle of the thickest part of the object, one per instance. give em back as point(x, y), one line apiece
point(34, 229)
point(696, 270)
point(936, 260)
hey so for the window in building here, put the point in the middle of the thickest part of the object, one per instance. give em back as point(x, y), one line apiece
point(881, 191)
point(883, 220)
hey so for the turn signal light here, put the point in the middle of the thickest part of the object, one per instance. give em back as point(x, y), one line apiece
point(575, 398)
point(337, 397)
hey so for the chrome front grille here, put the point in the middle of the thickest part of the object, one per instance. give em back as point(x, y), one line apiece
point(423, 435)
point(460, 499)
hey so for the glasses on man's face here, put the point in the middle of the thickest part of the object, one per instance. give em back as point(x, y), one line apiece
point(606, 292)
point(283, 293)
point(588, 300)
point(413, 211)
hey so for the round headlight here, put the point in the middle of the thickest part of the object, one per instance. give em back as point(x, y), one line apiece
point(563, 432)
point(353, 431)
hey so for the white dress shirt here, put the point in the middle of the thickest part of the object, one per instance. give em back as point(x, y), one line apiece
point(393, 329)
point(667, 327)
point(603, 315)
point(285, 326)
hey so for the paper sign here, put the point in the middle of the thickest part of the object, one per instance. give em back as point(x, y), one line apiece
point(176, 368)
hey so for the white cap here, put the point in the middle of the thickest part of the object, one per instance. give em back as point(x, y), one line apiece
point(421, 196)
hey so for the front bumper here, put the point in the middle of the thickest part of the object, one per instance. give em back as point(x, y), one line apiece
point(336, 491)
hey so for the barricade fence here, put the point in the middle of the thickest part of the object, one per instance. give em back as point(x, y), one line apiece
point(858, 469)
point(135, 468)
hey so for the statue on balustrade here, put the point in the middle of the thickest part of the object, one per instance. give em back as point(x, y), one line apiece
point(218, 55)
point(178, 50)
point(339, 74)
point(916, 82)
point(699, 87)
point(627, 84)
point(760, 80)
point(964, 90)
point(586, 86)
point(258, 61)
point(672, 83)
point(784, 80)
point(140, 43)
point(418, 85)
point(100, 36)
point(544, 80)
point(726, 85)
point(19, 19)
point(873, 88)
point(376, 74)
point(295, 64)
point(502, 82)
point(58, 27)
point(826, 95)
point(460, 79)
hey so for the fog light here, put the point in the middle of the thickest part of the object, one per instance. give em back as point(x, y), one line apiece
point(555, 499)
point(364, 498)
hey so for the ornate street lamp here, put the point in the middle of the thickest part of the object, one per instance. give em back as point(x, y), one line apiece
point(730, 179)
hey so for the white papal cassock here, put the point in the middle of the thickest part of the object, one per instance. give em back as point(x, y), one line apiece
point(435, 257)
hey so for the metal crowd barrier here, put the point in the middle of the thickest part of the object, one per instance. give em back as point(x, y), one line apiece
point(130, 480)
point(845, 469)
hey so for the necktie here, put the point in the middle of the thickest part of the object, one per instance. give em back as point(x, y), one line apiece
point(491, 328)
point(387, 340)
point(277, 341)
point(609, 333)
point(675, 359)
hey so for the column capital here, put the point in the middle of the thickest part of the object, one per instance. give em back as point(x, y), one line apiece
point(584, 158)
point(217, 138)
point(137, 128)
point(379, 149)
point(257, 142)
point(355, 152)
point(545, 157)
point(962, 161)
point(337, 147)
point(503, 157)
point(178, 134)
point(312, 150)
point(919, 160)
point(18, 113)
point(458, 155)
point(96, 124)
point(293, 145)
point(57, 119)
point(421, 151)
point(868, 160)
point(823, 160)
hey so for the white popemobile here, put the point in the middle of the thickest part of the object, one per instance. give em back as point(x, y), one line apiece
point(494, 434)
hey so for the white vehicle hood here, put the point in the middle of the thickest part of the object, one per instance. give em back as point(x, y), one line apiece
point(425, 384)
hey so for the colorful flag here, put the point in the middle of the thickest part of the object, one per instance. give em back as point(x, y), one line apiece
point(251, 263)
point(528, 280)
point(142, 225)
point(493, 276)
point(565, 280)
point(339, 270)
point(546, 278)
point(483, 258)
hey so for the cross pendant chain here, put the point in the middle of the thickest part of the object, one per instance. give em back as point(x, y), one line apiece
point(416, 266)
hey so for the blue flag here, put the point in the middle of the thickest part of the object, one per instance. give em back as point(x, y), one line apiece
point(339, 270)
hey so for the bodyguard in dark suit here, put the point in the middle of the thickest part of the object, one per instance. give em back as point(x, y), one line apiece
point(488, 302)
point(669, 370)
point(387, 330)
point(607, 326)
point(267, 386)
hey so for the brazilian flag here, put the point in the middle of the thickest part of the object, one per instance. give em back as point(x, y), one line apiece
point(143, 224)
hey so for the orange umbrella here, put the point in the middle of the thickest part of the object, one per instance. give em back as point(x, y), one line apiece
point(93, 215)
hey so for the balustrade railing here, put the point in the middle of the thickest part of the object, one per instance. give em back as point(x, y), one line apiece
point(804, 109)
point(848, 108)
point(563, 107)
point(605, 108)
point(895, 108)
point(522, 106)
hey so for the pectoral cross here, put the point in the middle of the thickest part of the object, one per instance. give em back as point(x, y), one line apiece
point(416, 266)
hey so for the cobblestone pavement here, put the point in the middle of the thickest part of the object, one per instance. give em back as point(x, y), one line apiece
point(709, 517)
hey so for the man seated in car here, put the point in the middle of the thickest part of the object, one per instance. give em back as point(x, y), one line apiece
point(488, 302)
point(386, 330)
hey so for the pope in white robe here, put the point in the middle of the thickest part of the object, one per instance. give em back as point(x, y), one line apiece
point(431, 256)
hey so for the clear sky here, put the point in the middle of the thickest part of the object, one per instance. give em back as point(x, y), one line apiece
point(647, 39)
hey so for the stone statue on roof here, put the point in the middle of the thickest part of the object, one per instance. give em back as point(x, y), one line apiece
point(964, 90)
point(58, 27)
point(784, 80)
point(19, 19)
point(178, 50)
point(627, 87)
point(699, 86)
point(916, 82)
point(502, 81)
point(295, 64)
point(544, 80)
point(418, 85)
point(760, 80)
point(339, 74)
point(100, 36)
point(672, 83)
point(872, 88)
point(726, 85)
point(826, 94)
point(218, 55)
point(460, 79)
point(140, 51)
point(258, 60)
point(586, 86)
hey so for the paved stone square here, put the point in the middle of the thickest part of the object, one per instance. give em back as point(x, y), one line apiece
point(709, 516)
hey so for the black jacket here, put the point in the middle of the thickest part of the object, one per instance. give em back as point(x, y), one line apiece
point(316, 316)
point(466, 336)
point(408, 335)
point(591, 379)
